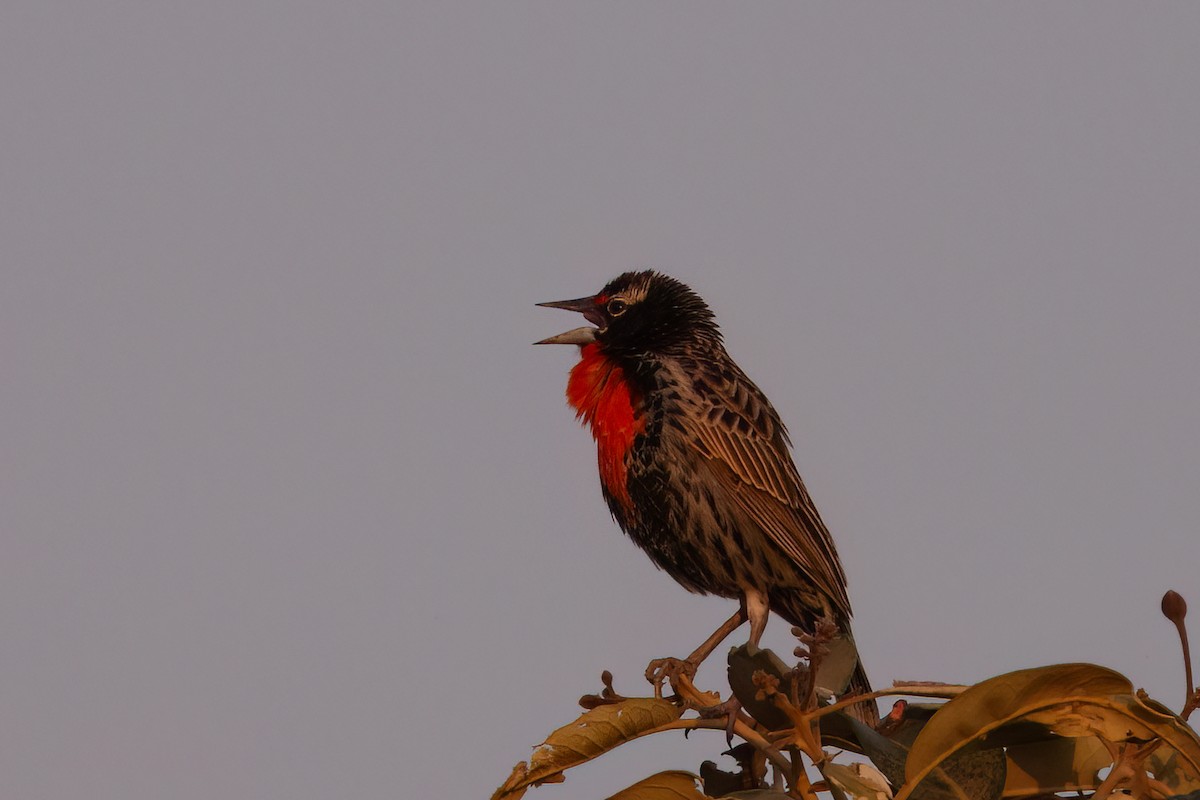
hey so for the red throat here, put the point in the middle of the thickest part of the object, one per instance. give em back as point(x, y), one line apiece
point(603, 398)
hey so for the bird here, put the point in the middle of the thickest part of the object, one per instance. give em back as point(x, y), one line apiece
point(695, 462)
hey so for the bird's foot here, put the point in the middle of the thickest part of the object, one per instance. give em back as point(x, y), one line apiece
point(668, 669)
point(730, 709)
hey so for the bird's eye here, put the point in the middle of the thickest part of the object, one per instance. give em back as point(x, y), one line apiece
point(616, 307)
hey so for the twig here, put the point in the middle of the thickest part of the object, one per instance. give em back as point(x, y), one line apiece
point(945, 691)
point(740, 728)
point(801, 787)
point(683, 686)
point(1174, 608)
point(1128, 770)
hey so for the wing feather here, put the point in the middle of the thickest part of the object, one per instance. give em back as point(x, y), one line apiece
point(745, 450)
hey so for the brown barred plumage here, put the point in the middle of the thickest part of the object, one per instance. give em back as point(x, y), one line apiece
point(702, 479)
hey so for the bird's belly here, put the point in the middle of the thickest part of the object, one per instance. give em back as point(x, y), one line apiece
point(686, 532)
point(726, 561)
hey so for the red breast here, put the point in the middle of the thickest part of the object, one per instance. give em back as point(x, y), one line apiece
point(604, 399)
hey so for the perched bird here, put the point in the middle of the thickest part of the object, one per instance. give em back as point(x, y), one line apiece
point(694, 461)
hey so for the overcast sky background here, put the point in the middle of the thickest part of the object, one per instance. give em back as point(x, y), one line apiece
point(291, 508)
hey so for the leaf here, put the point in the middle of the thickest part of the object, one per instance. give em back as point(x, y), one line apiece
point(974, 774)
point(743, 662)
point(593, 734)
point(886, 754)
point(1003, 699)
point(913, 721)
point(718, 782)
point(837, 732)
point(751, 770)
point(859, 781)
point(1177, 762)
point(1166, 768)
point(669, 785)
point(1058, 764)
point(837, 666)
point(832, 677)
point(1074, 700)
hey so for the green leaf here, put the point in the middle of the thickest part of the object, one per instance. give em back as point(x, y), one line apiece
point(743, 662)
point(591, 735)
point(837, 666)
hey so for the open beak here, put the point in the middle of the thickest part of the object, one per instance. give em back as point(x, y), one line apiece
point(579, 336)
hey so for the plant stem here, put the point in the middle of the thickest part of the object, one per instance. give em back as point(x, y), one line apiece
point(944, 691)
point(740, 728)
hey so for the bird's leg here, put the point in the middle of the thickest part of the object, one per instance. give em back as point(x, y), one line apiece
point(661, 669)
point(756, 607)
point(729, 626)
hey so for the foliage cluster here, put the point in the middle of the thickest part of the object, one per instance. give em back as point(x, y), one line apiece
point(1076, 730)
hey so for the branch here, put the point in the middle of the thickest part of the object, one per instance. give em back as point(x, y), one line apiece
point(740, 728)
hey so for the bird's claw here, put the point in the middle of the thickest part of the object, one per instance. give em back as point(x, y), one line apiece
point(729, 709)
point(668, 669)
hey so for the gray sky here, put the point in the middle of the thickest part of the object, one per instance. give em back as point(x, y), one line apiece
point(290, 506)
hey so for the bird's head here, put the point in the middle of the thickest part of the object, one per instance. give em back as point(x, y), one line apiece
point(640, 312)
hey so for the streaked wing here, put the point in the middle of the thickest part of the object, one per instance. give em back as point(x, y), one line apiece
point(746, 450)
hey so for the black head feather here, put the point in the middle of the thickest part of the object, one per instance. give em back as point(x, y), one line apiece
point(653, 313)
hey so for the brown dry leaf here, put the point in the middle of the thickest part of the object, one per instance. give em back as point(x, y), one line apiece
point(1077, 700)
point(1177, 777)
point(1005, 698)
point(1177, 762)
point(593, 734)
point(669, 785)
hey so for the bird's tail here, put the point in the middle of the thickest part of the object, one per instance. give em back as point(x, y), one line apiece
point(867, 711)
